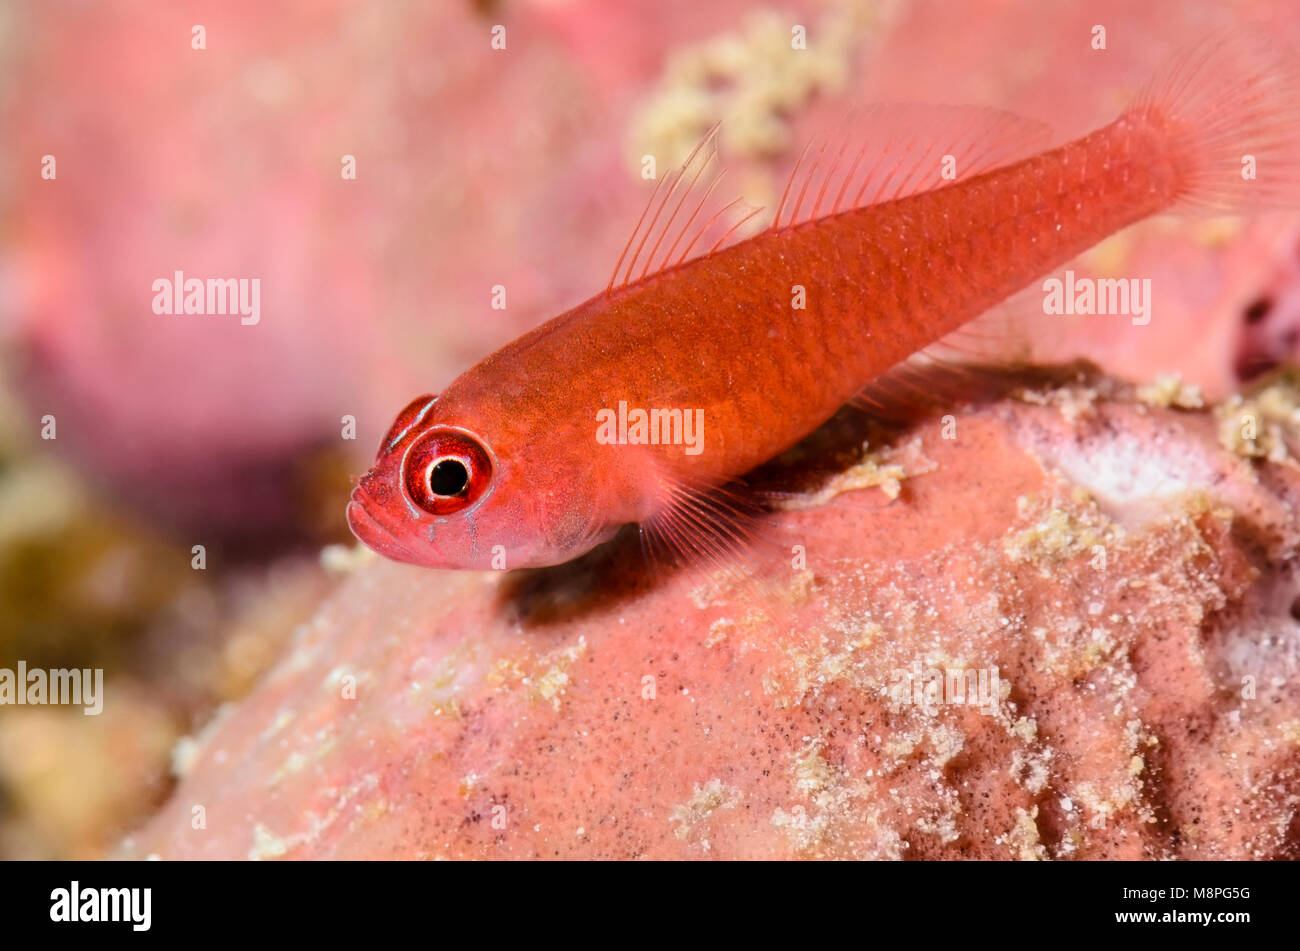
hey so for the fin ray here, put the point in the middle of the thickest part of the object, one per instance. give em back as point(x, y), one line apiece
point(901, 149)
point(707, 525)
point(661, 224)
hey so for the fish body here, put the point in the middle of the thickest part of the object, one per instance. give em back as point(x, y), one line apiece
point(760, 342)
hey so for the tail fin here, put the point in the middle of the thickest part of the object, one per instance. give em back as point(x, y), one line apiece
point(1232, 107)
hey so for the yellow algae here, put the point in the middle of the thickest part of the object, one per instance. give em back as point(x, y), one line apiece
point(467, 784)
point(945, 742)
point(1099, 803)
point(718, 631)
point(553, 681)
point(885, 470)
point(811, 772)
point(1025, 837)
point(184, 754)
point(1073, 402)
point(842, 814)
point(282, 720)
point(899, 746)
point(1096, 653)
point(1056, 533)
point(438, 684)
point(1257, 425)
point(1026, 728)
point(293, 763)
point(801, 586)
point(544, 677)
point(551, 684)
point(1104, 800)
point(940, 819)
point(705, 800)
point(1170, 390)
point(751, 79)
point(804, 671)
point(720, 585)
point(341, 559)
point(268, 845)
point(1291, 731)
point(507, 671)
point(725, 628)
point(1031, 770)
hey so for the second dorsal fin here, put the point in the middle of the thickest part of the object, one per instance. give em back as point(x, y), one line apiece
point(890, 151)
point(883, 152)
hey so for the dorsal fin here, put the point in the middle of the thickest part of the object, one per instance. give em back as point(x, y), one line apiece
point(894, 150)
point(887, 152)
point(683, 209)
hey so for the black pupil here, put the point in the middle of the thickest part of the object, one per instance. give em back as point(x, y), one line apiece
point(448, 477)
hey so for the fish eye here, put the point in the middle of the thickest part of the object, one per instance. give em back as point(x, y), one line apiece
point(446, 470)
point(448, 477)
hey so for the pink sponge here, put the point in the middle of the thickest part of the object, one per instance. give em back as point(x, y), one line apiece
point(1105, 578)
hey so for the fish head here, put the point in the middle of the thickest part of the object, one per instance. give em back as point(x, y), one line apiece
point(446, 491)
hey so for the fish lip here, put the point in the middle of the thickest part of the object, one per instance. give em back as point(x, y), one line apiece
point(374, 534)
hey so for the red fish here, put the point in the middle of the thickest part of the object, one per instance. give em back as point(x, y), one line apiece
point(645, 404)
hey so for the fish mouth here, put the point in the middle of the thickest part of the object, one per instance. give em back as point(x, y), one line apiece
point(373, 533)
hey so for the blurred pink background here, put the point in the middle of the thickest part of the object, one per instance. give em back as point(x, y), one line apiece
point(475, 167)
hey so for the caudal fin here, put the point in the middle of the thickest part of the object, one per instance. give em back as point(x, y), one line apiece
point(1231, 106)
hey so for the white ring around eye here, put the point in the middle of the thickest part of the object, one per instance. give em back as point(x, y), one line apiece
point(465, 464)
